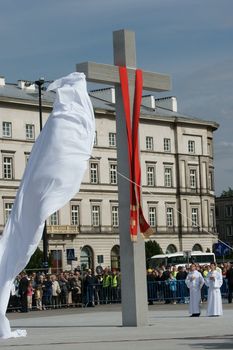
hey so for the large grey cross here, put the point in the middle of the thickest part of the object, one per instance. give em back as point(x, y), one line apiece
point(132, 255)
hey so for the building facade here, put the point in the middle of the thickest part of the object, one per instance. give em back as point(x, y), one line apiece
point(177, 177)
point(224, 218)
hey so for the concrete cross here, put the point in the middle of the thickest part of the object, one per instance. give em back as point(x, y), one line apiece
point(132, 255)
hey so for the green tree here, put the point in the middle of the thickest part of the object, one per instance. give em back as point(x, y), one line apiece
point(152, 248)
point(228, 193)
point(36, 260)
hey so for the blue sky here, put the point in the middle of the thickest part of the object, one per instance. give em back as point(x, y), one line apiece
point(191, 40)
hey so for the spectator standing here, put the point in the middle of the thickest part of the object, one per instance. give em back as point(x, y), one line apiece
point(165, 277)
point(159, 284)
point(181, 286)
point(172, 283)
point(55, 292)
point(64, 284)
point(47, 292)
point(89, 285)
point(29, 295)
point(75, 288)
point(151, 292)
point(38, 293)
point(174, 271)
point(23, 287)
point(107, 280)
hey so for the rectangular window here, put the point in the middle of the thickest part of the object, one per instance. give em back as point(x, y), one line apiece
point(112, 139)
point(167, 177)
point(170, 221)
point(75, 214)
point(212, 219)
point(6, 129)
point(195, 217)
point(149, 143)
point(228, 210)
point(209, 148)
point(150, 175)
point(95, 215)
point(8, 208)
point(211, 180)
point(7, 167)
point(113, 174)
point(229, 230)
point(167, 145)
point(94, 175)
point(193, 178)
point(95, 139)
point(54, 218)
point(27, 155)
point(191, 146)
point(30, 132)
point(115, 216)
point(152, 216)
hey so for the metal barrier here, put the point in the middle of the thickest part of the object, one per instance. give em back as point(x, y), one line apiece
point(162, 291)
point(168, 291)
point(97, 295)
point(177, 291)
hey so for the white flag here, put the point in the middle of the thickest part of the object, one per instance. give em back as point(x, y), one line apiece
point(52, 177)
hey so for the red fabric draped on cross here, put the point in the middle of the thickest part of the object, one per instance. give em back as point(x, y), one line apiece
point(136, 212)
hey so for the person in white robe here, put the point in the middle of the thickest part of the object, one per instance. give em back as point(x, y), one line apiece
point(214, 301)
point(194, 282)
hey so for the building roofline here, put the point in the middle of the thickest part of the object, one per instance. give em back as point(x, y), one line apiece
point(102, 106)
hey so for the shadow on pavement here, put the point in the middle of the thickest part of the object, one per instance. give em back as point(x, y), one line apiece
point(227, 344)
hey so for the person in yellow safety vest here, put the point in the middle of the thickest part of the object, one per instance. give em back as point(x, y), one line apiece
point(114, 286)
point(107, 281)
point(174, 271)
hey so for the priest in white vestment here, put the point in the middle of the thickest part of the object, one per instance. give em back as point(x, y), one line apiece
point(194, 282)
point(214, 281)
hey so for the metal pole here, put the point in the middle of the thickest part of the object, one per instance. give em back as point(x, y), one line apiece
point(40, 83)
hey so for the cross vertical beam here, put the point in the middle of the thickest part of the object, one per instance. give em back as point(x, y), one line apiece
point(133, 265)
point(134, 290)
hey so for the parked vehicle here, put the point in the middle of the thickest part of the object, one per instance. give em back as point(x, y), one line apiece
point(182, 259)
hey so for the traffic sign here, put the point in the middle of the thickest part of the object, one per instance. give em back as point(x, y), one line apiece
point(70, 254)
point(99, 270)
point(221, 249)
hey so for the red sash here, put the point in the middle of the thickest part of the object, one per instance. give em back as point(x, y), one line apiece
point(136, 212)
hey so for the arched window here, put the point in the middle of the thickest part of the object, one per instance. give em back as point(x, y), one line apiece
point(86, 258)
point(171, 249)
point(197, 248)
point(115, 257)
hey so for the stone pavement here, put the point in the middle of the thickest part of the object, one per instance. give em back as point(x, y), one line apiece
point(100, 328)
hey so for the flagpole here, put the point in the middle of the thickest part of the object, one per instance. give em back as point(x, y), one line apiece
point(40, 83)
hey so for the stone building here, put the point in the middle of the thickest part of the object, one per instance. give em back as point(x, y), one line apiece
point(224, 218)
point(177, 176)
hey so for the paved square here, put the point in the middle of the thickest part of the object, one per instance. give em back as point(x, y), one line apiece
point(99, 328)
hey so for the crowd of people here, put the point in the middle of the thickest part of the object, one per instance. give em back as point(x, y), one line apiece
point(169, 284)
point(42, 291)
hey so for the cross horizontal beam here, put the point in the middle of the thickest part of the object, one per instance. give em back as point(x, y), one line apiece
point(109, 74)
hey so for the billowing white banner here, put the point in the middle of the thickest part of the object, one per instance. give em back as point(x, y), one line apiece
point(52, 177)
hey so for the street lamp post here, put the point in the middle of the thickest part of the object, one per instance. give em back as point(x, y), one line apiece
point(40, 84)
